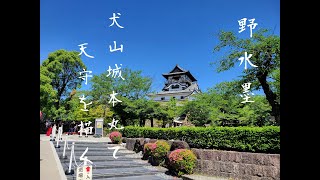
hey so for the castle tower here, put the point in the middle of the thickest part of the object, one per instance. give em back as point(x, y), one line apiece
point(180, 84)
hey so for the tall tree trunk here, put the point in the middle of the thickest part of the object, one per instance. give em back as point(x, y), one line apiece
point(142, 122)
point(57, 104)
point(60, 91)
point(122, 120)
point(104, 111)
point(271, 97)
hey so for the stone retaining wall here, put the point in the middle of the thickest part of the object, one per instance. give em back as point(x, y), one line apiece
point(238, 165)
point(230, 164)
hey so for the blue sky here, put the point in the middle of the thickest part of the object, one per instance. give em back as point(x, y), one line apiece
point(157, 34)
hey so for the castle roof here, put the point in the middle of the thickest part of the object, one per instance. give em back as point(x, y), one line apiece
point(188, 91)
point(177, 70)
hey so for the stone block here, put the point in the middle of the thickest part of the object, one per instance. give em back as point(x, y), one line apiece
point(135, 144)
point(177, 144)
point(246, 158)
point(266, 178)
point(197, 152)
point(258, 171)
point(225, 156)
point(207, 165)
point(226, 167)
point(215, 155)
point(234, 157)
point(258, 159)
point(206, 154)
point(130, 143)
point(216, 165)
point(246, 169)
point(198, 167)
point(273, 160)
point(270, 171)
point(243, 165)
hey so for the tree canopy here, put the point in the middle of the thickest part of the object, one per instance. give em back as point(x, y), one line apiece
point(48, 95)
point(133, 88)
point(221, 104)
point(60, 84)
point(59, 76)
point(265, 50)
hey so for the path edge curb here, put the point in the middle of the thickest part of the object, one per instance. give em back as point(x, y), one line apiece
point(59, 165)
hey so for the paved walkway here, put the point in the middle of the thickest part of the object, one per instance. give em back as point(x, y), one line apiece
point(127, 166)
point(50, 167)
point(132, 167)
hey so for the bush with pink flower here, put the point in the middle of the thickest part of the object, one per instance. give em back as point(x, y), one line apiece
point(115, 137)
point(159, 151)
point(147, 149)
point(182, 161)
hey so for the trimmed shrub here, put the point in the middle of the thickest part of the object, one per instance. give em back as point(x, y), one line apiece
point(107, 131)
point(249, 139)
point(159, 152)
point(115, 137)
point(182, 161)
point(147, 149)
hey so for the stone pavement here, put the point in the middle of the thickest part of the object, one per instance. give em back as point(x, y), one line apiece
point(128, 166)
point(50, 167)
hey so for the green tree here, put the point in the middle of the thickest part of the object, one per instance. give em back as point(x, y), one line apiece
point(134, 87)
point(63, 69)
point(101, 111)
point(168, 111)
point(224, 104)
point(137, 109)
point(275, 84)
point(257, 113)
point(197, 112)
point(144, 109)
point(48, 95)
point(265, 50)
point(222, 101)
point(162, 113)
point(96, 110)
point(172, 108)
point(73, 106)
point(101, 88)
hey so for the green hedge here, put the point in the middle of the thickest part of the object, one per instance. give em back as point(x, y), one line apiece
point(249, 139)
